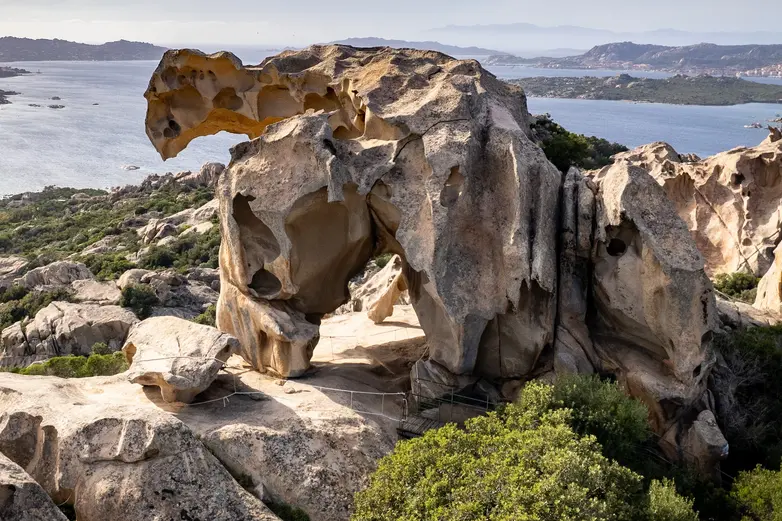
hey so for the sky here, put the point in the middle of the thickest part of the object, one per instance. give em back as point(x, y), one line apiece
point(277, 23)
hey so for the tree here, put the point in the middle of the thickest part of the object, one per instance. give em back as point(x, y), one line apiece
point(760, 493)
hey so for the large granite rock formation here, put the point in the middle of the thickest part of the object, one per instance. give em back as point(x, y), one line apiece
point(513, 269)
point(115, 461)
point(21, 498)
point(729, 201)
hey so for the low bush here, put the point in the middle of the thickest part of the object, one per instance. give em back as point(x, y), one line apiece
point(78, 366)
point(740, 286)
point(208, 317)
point(29, 305)
point(108, 266)
point(665, 504)
point(192, 250)
point(140, 298)
point(760, 494)
point(287, 512)
point(383, 259)
point(521, 462)
point(100, 348)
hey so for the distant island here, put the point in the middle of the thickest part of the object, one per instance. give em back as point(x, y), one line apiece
point(25, 49)
point(10, 72)
point(678, 90)
point(704, 58)
point(426, 46)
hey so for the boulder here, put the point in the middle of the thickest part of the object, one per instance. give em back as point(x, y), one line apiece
point(61, 273)
point(180, 357)
point(114, 461)
point(654, 306)
point(21, 498)
point(729, 201)
point(132, 277)
point(769, 296)
point(92, 291)
point(351, 176)
point(10, 268)
point(378, 295)
point(63, 328)
point(704, 445)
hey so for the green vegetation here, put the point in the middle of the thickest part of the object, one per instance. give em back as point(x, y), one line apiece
point(383, 259)
point(17, 303)
point(740, 286)
point(747, 389)
point(53, 224)
point(108, 266)
point(287, 512)
point(140, 298)
point(208, 317)
point(77, 366)
point(565, 149)
point(678, 90)
point(194, 249)
point(521, 462)
point(760, 491)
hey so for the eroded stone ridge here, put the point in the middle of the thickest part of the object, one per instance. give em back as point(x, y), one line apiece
point(513, 269)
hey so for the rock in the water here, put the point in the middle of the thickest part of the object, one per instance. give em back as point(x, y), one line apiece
point(115, 461)
point(63, 328)
point(21, 498)
point(62, 273)
point(729, 201)
point(180, 357)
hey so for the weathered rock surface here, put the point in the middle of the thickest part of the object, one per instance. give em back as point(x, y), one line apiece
point(132, 277)
point(63, 328)
point(354, 173)
point(10, 268)
point(62, 273)
point(378, 295)
point(361, 152)
point(769, 297)
point(180, 357)
point(114, 460)
point(729, 201)
point(92, 291)
point(21, 498)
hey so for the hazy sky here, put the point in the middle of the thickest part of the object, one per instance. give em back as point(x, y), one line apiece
point(298, 22)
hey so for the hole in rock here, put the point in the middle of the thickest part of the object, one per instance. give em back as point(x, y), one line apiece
point(453, 188)
point(266, 284)
point(616, 247)
point(259, 243)
point(736, 179)
point(696, 372)
point(227, 99)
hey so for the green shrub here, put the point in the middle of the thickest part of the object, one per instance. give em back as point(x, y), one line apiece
point(665, 504)
point(600, 408)
point(523, 462)
point(760, 494)
point(740, 286)
point(288, 513)
point(100, 348)
point(192, 250)
point(158, 257)
point(15, 292)
point(746, 386)
point(383, 259)
point(29, 305)
point(208, 317)
point(140, 298)
point(78, 366)
point(108, 266)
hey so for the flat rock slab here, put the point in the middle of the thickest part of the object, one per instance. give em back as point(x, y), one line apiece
point(180, 357)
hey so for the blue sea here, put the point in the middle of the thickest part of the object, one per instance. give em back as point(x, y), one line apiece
point(88, 145)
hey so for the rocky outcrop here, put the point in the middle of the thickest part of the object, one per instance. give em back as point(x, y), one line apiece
point(380, 292)
point(10, 269)
point(92, 291)
point(180, 357)
point(769, 297)
point(62, 273)
point(63, 328)
point(21, 498)
point(729, 201)
point(513, 270)
point(114, 461)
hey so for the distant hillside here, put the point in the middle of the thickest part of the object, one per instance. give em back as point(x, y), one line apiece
point(428, 46)
point(25, 49)
point(704, 57)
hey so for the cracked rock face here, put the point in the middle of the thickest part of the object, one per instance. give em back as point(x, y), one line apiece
point(116, 461)
point(362, 152)
point(729, 201)
point(513, 269)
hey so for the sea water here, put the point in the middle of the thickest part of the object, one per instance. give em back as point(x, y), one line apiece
point(100, 132)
